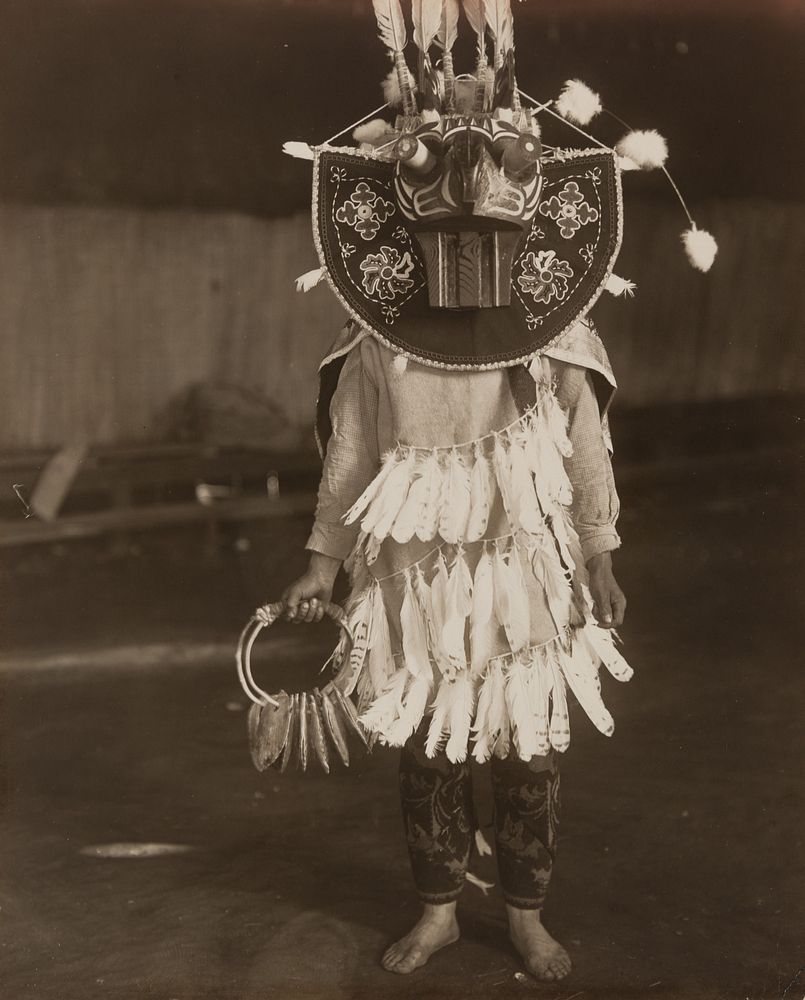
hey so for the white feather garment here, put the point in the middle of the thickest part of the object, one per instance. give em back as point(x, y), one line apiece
point(481, 624)
point(559, 732)
point(601, 644)
point(491, 726)
point(557, 421)
point(414, 632)
point(582, 678)
point(427, 522)
point(511, 599)
point(521, 715)
point(380, 658)
point(438, 722)
point(524, 497)
point(455, 500)
point(480, 496)
point(700, 247)
point(645, 147)
point(459, 717)
point(458, 603)
point(578, 103)
point(539, 693)
point(386, 505)
point(553, 579)
point(411, 712)
point(390, 460)
point(405, 522)
point(500, 461)
point(385, 708)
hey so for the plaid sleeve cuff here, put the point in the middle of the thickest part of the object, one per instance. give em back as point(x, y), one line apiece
point(604, 540)
point(336, 540)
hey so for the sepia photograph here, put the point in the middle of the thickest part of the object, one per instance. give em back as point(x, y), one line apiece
point(401, 499)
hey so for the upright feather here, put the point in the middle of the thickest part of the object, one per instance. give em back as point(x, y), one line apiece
point(393, 34)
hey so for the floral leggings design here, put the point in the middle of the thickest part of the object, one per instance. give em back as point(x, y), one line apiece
point(440, 823)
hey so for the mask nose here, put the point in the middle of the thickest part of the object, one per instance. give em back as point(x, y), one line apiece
point(467, 151)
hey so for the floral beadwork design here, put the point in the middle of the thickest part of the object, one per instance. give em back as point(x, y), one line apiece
point(569, 210)
point(544, 277)
point(365, 211)
point(386, 274)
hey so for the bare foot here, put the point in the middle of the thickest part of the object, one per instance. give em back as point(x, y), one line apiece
point(544, 957)
point(436, 928)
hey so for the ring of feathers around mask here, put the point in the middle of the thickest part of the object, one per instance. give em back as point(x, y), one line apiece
point(453, 283)
point(304, 728)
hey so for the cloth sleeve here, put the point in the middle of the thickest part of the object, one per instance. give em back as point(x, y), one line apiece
point(596, 505)
point(351, 460)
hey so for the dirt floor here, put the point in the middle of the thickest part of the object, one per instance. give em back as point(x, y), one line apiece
point(680, 870)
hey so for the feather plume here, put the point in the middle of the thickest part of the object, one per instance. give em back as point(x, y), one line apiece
point(601, 643)
point(411, 712)
point(406, 520)
point(559, 732)
point(390, 460)
point(427, 522)
point(700, 247)
point(359, 620)
point(553, 579)
point(582, 679)
point(645, 147)
point(427, 18)
point(481, 625)
point(511, 599)
point(438, 723)
point(379, 656)
point(501, 26)
point(455, 508)
point(577, 103)
point(458, 603)
point(391, 24)
point(448, 25)
point(309, 279)
point(475, 12)
point(385, 709)
point(480, 496)
point(372, 132)
point(524, 497)
point(459, 718)
point(491, 726)
point(299, 150)
point(620, 286)
point(518, 704)
point(414, 633)
point(386, 505)
point(539, 692)
point(557, 421)
point(500, 460)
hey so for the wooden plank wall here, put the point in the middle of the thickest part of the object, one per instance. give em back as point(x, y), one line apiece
point(107, 314)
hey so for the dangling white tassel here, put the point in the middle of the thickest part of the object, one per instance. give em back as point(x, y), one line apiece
point(462, 706)
point(299, 150)
point(481, 625)
point(480, 495)
point(700, 247)
point(455, 501)
point(578, 103)
point(390, 460)
point(371, 132)
point(645, 147)
point(625, 164)
point(479, 883)
point(482, 844)
point(620, 286)
point(309, 279)
point(399, 364)
point(427, 521)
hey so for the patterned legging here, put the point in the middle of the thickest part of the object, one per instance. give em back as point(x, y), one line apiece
point(439, 819)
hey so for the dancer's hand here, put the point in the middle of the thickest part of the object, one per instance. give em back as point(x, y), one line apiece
point(609, 605)
point(306, 597)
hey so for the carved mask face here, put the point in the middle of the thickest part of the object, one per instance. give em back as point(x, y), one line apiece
point(469, 186)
